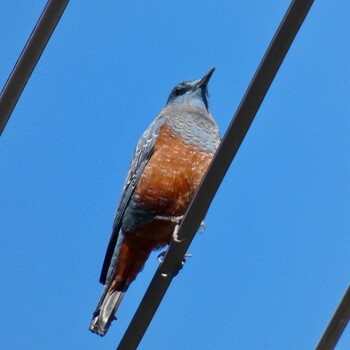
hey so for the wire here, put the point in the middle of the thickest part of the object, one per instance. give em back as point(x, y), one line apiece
point(232, 140)
point(337, 324)
point(29, 58)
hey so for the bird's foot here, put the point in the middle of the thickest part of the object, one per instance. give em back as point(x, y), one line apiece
point(176, 234)
point(172, 275)
point(186, 256)
point(203, 227)
point(161, 256)
point(175, 219)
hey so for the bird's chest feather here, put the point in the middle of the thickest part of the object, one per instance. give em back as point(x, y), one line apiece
point(172, 175)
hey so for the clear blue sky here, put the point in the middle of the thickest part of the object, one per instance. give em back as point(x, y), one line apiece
point(274, 261)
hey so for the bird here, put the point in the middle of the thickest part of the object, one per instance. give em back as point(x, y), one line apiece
point(165, 171)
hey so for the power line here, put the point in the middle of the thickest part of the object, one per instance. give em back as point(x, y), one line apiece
point(29, 58)
point(233, 138)
point(337, 324)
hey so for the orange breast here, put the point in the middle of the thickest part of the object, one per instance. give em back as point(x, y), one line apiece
point(166, 188)
point(172, 175)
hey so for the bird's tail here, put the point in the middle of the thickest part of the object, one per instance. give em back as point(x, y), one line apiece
point(106, 309)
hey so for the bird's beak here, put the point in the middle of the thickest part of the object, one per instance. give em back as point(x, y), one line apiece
point(204, 81)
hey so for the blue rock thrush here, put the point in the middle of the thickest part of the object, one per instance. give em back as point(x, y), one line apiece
point(168, 164)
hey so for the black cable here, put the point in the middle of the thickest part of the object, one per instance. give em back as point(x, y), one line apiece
point(29, 58)
point(233, 138)
point(337, 324)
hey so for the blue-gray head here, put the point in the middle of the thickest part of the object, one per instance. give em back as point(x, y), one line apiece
point(194, 92)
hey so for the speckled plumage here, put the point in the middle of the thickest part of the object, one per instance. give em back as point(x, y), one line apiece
point(167, 166)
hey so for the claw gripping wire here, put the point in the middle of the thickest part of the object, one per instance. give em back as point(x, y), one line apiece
point(160, 258)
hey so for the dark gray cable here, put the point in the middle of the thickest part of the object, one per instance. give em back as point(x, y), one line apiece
point(337, 324)
point(29, 58)
point(233, 138)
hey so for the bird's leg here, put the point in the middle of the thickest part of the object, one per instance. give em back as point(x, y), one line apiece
point(203, 227)
point(176, 234)
point(176, 220)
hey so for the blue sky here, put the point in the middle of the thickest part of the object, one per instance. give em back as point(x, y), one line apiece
point(274, 261)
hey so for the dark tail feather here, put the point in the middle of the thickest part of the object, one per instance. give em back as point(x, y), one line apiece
point(110, 301)
point(106, 309)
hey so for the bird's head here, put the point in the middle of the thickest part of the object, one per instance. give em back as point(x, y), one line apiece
point(193, 92)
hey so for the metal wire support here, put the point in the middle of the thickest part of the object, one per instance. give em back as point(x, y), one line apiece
point(232, 140)
point(29, 58)
point(337, 324)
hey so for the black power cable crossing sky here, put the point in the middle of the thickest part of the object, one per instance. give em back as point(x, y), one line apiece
point(337, 324)
point(29, 57)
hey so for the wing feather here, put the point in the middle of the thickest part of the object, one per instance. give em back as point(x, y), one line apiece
point(141, 156)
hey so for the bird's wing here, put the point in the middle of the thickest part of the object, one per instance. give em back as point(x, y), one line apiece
point(142, 154)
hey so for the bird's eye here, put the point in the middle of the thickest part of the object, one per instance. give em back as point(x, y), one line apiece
point(178, 91)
